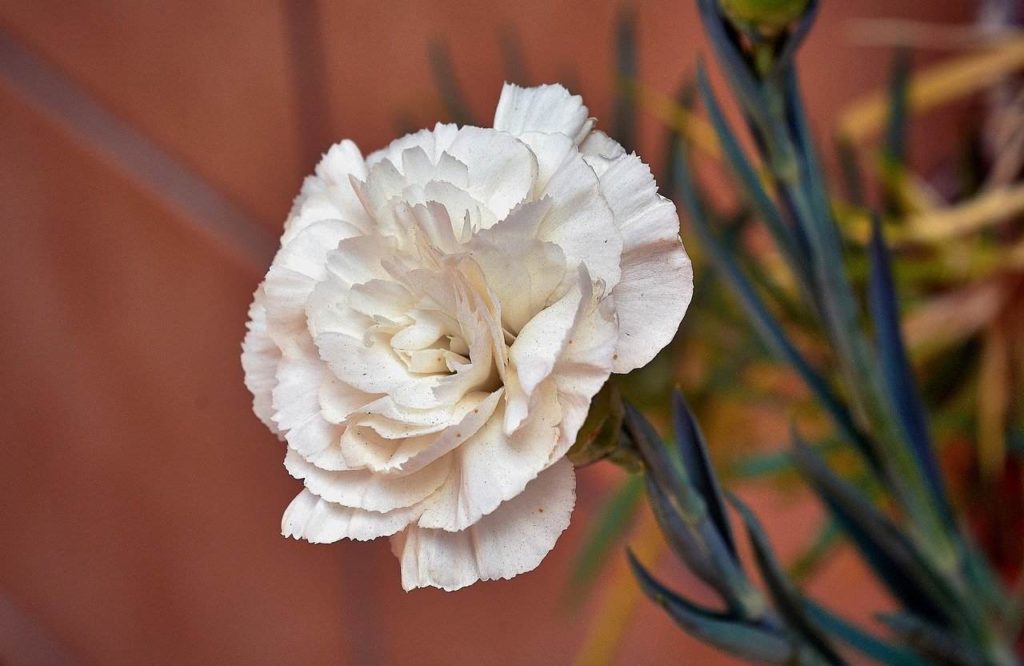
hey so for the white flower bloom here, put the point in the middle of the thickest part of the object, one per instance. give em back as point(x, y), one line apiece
point(429, 336)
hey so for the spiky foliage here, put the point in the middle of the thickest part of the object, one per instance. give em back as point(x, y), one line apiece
point(954, 609)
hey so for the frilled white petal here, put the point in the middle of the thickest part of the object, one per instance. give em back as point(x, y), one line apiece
point(414, 454)
point(502, 169)
point(552, 151)
point(512, 540)
point(522, 271)
point(580, 221)
point(601, 150)
point(373, 367)
point(318, 521)
point(338, 399)
point(260, 357)
point(492, 467)
point(542, 340)
point(362, 489)
point(433, 142)
point(294, 273)
point(296, 403)
point(657, 279)
point(584, 367)
point(329, 194)
point(400, 450)
point(358, 259)
point(547, 108)
point(650, 301)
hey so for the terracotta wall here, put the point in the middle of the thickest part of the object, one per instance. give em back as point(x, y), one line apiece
point(140, 500)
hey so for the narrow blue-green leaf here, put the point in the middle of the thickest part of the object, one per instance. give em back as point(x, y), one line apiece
point(896, 371)
point(749, 180)
point(694, 452)
point(938, 645)
point(768, 329)
point(624, 111)
point(891, 555)
point(612, 521)
point(787, 600)
point(447, 84)
point(724, 41)
point(682, 514)
point(756, 643)
point(870, 646)
point(797, 36)
point(663, 467)
point(698, 544)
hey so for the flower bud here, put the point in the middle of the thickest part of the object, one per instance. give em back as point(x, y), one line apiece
point(764, 16)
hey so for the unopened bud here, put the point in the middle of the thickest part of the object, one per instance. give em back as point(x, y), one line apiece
point(764, 16)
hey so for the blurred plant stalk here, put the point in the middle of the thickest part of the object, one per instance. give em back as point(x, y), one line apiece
point(954, 608)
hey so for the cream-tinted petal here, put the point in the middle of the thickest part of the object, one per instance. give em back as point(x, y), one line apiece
point(492, 467)
point(329, 194)
point(512, 540)
point(260, 357)
point(657, 280)
point(433, 142)
point(581, 222)
point(318, 521)
point(363, 489)
point(546, 108)
point(502, 169)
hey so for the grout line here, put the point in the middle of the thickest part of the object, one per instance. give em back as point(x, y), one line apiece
point(206, 209)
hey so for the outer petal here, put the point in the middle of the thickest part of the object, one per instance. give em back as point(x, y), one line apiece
point(657, 279)
point(329, 194)
point(297, 268)
point(433, 142)
point(260, 357)
point(548, 108)
point(512, 540)
point(370, 491)
point(318, 521)
point(581, 222)
point(491, 467)
point(502, 169)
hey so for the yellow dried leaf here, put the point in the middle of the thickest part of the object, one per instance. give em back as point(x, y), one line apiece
point(934, 86)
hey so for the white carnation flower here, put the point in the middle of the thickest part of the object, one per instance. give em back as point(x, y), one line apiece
point(429, 336)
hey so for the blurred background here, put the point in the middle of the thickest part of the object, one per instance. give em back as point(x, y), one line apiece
point(149, 153)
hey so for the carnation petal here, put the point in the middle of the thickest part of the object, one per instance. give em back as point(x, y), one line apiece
point(502, 169)
point(318, 521)
point(581, 223)
point(551, 151)
point(522, 271)
point(546, 108)
point(364, 489)
point(433, 142)
point(651, 300)
point(510, 541)
point(492, 467)
point(657, 279)
point(260, 357)
point(584, 367)
point(329, 194)
point(601, 146)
